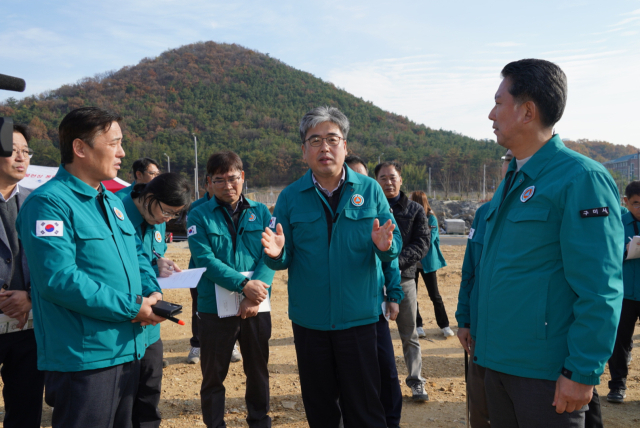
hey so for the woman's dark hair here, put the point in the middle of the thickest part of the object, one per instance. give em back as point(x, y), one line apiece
point(170, 188)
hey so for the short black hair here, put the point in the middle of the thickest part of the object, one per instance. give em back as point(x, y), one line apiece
point(23, 129)
point(83, 123)
point(542, 82)
point(170, 188)
point(394, 164)
point(353, 159)
point(141, 165)
point(223, 162)
point(632, 189)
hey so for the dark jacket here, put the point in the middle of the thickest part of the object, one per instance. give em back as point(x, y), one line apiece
point(416, 234)
point(6, 255)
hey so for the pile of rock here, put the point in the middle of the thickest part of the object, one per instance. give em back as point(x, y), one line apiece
point(464, 210)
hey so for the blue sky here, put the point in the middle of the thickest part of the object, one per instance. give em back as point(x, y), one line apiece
point(436, 62)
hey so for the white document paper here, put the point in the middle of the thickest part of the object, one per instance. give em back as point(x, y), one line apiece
point(384, 311)
point(634, 248)
point(228, 302)
point(10, 325)
point(188, 278)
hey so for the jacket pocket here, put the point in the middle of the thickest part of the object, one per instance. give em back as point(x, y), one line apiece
point(308, 229)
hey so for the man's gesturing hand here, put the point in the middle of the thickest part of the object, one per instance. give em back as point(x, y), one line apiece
point(145, 315)
point(273, 243)
point(255, 290)
point(382, 235)
point(571, 395)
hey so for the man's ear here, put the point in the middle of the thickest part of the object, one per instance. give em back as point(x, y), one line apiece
point(530, 111)
point(79, 148)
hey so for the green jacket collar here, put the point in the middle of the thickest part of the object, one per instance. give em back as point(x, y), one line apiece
point(75, 184)
point(628, 218)
point(132, 212)
point(213, 203)
point(539, 160)
point(350, 177)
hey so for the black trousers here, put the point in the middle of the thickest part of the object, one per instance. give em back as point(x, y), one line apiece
point(218, 336)
point(23, 382)
point(340, 365)
point(101, 398)
point(145, 406)
point(431, 281)
point(390, 392)
point(516, 401)
point(593, 416)
point(624, 341)
point(195, 337)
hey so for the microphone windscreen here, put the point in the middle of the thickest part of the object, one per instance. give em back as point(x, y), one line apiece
point(9, 83)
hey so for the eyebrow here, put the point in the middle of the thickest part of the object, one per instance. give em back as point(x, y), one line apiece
point(330, 133)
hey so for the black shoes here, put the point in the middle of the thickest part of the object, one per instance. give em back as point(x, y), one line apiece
point(616, 395)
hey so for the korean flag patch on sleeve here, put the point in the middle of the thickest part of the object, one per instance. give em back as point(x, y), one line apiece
point(272, 223)
point(49, 228)
point(191, 231)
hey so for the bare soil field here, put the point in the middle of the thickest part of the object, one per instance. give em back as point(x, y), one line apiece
point(443, 366)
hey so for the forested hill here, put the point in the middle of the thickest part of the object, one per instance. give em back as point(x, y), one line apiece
point(235, 98)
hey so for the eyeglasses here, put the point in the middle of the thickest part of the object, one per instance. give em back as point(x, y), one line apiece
point(153, 174)
point(506, 159)
point(24, 152)
point(222, 183)
point(167, 214)
point(332, 140)
point(635, 206)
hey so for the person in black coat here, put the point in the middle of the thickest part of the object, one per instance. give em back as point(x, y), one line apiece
point(416, 237)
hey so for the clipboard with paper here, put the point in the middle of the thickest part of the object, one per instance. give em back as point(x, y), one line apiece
point(634, 248)
point(228, 302)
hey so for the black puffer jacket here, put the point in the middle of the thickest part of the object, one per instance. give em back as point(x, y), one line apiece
point(416, 234)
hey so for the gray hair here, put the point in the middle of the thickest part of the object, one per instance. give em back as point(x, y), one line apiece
point(324, 114)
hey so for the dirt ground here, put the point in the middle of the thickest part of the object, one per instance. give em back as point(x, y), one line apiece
point(442, 366)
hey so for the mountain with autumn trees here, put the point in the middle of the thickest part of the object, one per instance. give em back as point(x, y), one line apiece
point(235, 98)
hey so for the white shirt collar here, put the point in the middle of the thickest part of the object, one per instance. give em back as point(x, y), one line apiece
point(15, 192)
point(325, 191)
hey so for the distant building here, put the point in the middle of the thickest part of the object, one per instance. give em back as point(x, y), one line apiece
point(627, 166)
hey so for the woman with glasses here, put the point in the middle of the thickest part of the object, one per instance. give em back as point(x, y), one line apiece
point(149, 206)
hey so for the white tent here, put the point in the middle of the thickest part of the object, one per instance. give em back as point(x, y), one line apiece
point(37, 175)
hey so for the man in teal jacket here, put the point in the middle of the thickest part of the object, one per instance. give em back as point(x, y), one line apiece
point(619, 361)
point(551, 269)
point(143, 170)
point(467, 312)
point(92, 285)
point(224, 237)
point(327, 232)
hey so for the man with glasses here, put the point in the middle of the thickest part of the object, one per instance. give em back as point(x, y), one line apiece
point(143, 170)
point(23, 382)
point(224, 237)
point(328, 229)
point(194, 351)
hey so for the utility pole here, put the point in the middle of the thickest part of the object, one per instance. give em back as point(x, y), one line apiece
point(380, 155)
point(195, 144)
point(429, 182)
point(484, 183)
point(168, 163)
